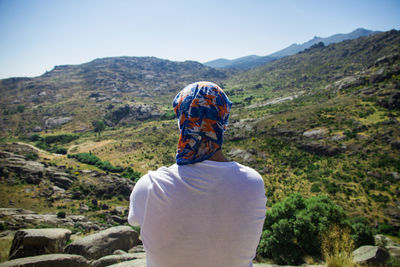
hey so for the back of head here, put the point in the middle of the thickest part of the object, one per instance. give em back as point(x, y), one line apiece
point(203, 111)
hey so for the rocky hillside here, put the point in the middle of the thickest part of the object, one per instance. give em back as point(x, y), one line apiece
point(80, 94)
point(323, 121)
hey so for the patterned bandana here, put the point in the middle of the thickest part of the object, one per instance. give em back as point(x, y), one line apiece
point(203, 111)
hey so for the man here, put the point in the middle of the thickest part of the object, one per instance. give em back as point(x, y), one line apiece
point(205, 210)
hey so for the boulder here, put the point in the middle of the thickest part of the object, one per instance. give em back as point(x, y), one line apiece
point(394, 251)
point(51, 123)
point(49, 260)
point(383, 241)
point(113, 259)
point(244, 155)
point(350, 81)
point(320, 149)
point(104, 242)
point(370, 255)
point(61, 181)
point(317, 133)
point(32, 242)
point(119, 252)
point(117, 219)
point(132, 263)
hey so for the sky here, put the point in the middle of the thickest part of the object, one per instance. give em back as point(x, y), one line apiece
point(36, 35)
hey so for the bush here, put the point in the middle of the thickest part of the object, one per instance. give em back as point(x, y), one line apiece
point(35, 137)
point(94, 160)
point(59, 150)
point(107, 166)
point(293, 227)
point(61, 138)
point(32, 156)
point(61, 214)
point(87, 158)
point(361, 232)
point(388, 229)
point(131, 174)
point(315, 188)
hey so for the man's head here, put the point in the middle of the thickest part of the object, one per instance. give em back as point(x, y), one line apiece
point(203, 110)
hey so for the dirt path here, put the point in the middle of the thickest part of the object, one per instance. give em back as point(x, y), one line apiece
point(41, 151)
point(87, 146)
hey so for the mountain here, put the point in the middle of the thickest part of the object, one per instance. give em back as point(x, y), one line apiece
point(295, 48)
point(253, 61)
point(79, 94)
point(246, 62)
point(324, 121)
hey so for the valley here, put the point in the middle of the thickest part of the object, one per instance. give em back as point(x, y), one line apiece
point(324, 121)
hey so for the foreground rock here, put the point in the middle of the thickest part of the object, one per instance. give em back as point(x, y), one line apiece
point(114, 259)
point(132, 263)
point(32, 242)
point(104, 242)
point(50, 260)
point(394, 251)
point(384, 241)
point(370, 255)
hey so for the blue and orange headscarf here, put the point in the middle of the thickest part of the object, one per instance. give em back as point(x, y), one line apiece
point(203, 110)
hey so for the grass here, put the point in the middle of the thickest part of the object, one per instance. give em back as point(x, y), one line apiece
point(5, 245)
point(337, 247)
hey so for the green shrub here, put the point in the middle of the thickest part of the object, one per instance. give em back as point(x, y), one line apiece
point(35, 137)
point(87, 158)
point(21, 108)
point(131, 174)
point(59, 150)
point(361, 232)
point(91, 159)
point(107, 166)
point(61, 214)
point(31, 156)
point(61, 138)
point(293, 227)
point(388, 229)
point(315, 188)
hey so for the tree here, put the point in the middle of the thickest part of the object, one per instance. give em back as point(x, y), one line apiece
point(293, 228)
point(99, 126)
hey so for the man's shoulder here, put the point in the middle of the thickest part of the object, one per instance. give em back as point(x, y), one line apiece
point(248, 171)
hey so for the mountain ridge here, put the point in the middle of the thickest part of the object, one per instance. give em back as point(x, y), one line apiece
point(248, 62)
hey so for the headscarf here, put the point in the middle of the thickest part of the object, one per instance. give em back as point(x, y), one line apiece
point(203, 110)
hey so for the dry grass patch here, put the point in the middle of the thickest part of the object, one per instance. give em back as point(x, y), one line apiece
point(5, 245)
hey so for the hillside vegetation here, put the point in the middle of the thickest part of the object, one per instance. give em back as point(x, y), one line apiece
point(323, 121)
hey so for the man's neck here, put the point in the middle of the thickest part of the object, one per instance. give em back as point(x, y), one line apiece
point(218, 156)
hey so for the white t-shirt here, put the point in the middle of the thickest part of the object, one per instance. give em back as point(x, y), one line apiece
point(205, 214)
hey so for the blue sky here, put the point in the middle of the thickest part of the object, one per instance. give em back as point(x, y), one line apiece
point(36, 35)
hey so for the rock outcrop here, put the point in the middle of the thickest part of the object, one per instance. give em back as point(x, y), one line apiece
point(55, 122)
point(31, 172)
point(104, 242)
point(33, 242)
point(49, 260)
point(15, 219)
